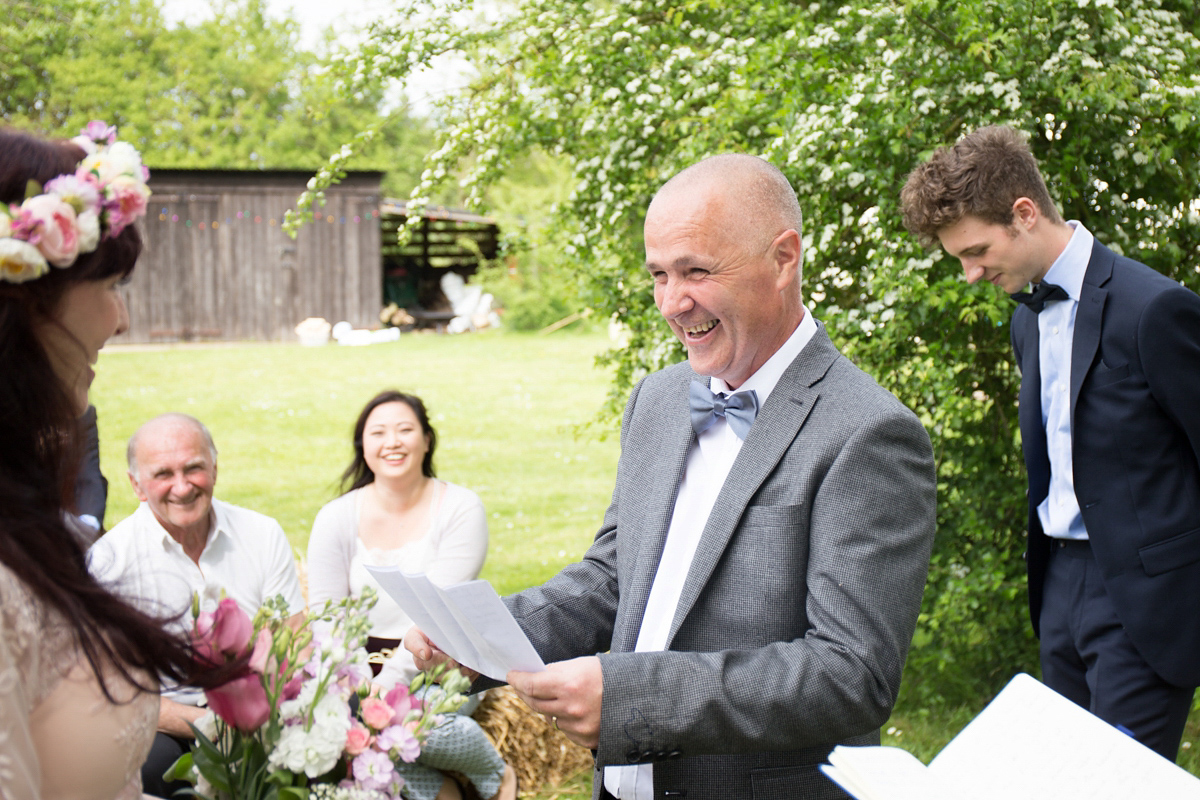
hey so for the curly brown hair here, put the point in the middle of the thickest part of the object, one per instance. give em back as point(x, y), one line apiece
point(982, 176)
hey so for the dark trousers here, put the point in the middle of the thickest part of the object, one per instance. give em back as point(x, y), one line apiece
point(165, 751)
point(1088, 658)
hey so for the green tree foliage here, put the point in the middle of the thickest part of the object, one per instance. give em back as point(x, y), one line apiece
point(846, 98)
point(232, 91)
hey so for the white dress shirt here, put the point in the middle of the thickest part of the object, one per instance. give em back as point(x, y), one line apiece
point(1059, 512)
point(247, 556)
point(708, 463)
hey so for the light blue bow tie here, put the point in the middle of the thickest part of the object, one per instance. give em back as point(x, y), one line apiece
point(739, 409)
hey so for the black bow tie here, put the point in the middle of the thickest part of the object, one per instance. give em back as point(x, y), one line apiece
point(1036, 299)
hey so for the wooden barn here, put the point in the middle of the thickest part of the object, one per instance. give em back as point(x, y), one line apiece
point(217, 264)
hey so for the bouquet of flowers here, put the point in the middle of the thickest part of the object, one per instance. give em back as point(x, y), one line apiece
point(284, 726)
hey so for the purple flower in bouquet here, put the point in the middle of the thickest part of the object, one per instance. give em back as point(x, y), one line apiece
point(400, 741)
point(373, 770)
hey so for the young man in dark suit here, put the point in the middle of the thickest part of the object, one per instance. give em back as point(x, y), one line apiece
point(1109, 352)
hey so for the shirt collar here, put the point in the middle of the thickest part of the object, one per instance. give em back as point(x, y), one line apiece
point(1069, 268)
point(763, 381)
point(219, 527)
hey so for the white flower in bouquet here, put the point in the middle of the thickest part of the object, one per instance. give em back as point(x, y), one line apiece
point(314, 750)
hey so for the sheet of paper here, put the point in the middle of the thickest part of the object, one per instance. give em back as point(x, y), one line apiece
point(467, 621)
point(882, 773)
point(1032, 742)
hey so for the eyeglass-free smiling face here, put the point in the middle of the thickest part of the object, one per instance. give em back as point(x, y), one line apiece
point(723, 296)
point(394, 445)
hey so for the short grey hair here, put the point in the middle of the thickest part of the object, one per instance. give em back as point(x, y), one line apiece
point(131, 448)
point(756, 189)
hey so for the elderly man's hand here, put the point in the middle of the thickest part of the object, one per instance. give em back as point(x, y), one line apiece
point(427, 655)
point(569, 693)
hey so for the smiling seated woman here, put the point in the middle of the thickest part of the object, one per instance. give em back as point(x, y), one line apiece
point(395, 512)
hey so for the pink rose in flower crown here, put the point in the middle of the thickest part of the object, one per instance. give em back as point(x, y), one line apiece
point(226, 631)
point(242, 702)
point(56, 238)
point(128, 199)
point(358, 739)
point(376, 713)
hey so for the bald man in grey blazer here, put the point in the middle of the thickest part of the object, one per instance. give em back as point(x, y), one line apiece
point(749, 600)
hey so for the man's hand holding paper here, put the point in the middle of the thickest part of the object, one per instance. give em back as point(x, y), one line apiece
point(569, 693)
point(466, 622)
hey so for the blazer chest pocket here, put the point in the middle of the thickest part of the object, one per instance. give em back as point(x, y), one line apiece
point(1102, 375)
point(1176, 552)
point(778, 517)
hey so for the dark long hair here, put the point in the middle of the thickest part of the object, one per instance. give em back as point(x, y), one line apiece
point(39, 449)
point(358, 474)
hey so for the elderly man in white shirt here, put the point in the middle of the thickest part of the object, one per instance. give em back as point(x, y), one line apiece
point(181, 543)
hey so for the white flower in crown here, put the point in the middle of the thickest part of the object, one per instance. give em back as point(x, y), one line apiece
point(81, 192)
point(20, 261)
point(112, 162)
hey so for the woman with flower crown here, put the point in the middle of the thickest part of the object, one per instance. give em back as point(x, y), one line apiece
point(78, 667)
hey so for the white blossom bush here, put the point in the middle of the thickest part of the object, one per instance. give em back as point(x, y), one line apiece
point(846, 98)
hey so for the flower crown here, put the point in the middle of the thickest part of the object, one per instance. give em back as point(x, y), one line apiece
point(72, 213)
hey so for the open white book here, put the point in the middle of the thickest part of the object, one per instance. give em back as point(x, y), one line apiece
point(467, 621)
point(1031, 743)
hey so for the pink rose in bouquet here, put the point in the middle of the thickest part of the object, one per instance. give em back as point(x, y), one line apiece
point(358, 738)
point(376, 713)
point(224, 632)
point(242, 702)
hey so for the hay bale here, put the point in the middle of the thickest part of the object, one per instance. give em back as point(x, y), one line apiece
point(541, 755)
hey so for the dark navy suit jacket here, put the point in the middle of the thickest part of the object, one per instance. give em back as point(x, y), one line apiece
point(1135, 430)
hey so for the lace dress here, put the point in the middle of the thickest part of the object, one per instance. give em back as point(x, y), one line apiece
point(60, 737)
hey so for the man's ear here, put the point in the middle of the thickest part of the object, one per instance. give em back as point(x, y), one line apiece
point(137, 490)
point(1025, 213)
point(786, 252)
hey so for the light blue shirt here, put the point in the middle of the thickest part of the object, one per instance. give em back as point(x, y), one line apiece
point(1059, 512)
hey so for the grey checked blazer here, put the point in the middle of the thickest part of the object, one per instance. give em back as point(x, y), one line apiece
point(798, 611)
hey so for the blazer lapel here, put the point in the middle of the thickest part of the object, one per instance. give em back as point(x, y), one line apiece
point(676, 441)
point(1030, 394)
point(1088, 318)
point(774, 429)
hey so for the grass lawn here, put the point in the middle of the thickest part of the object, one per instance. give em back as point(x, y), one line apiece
point(506, 408)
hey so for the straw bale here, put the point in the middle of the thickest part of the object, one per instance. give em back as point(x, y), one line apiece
point(541, 756)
